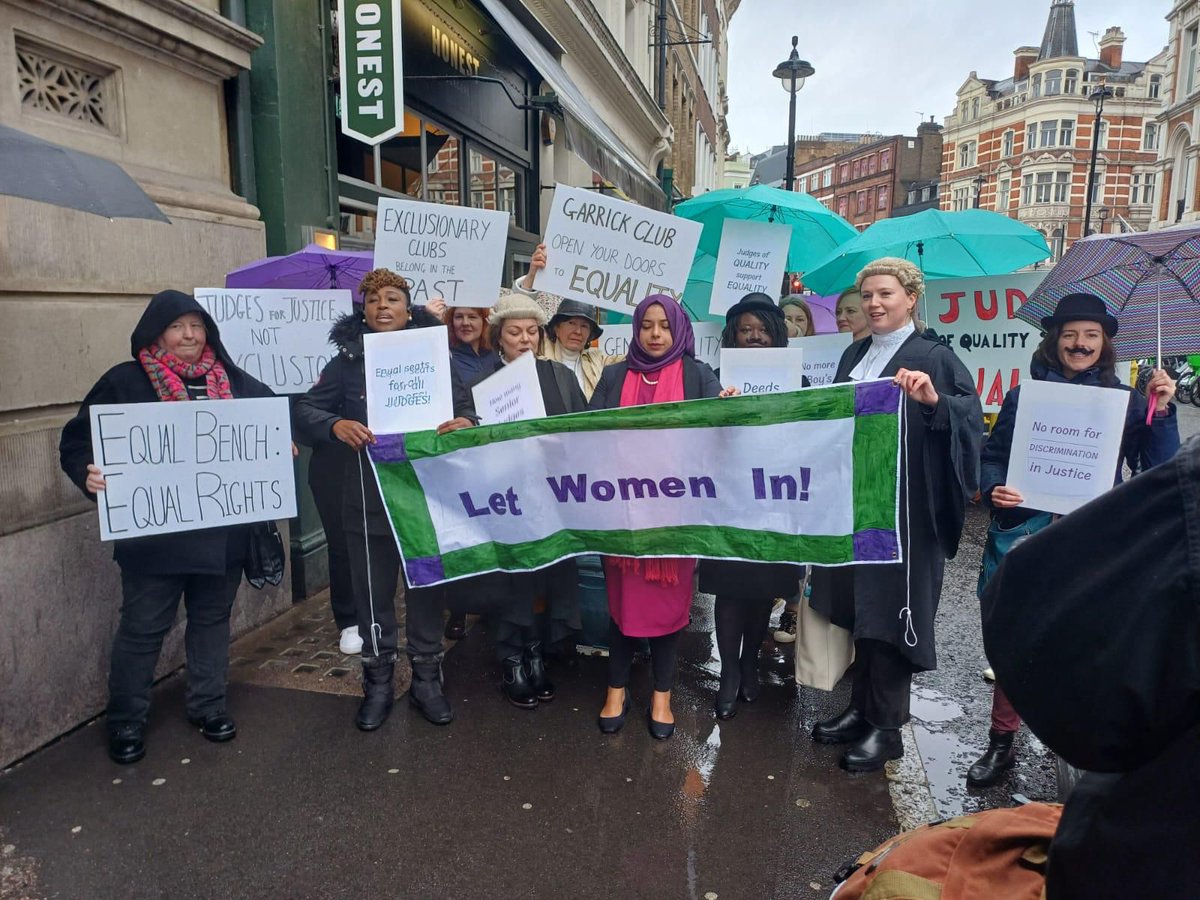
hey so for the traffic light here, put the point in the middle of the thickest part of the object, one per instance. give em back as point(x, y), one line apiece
point(797, 285)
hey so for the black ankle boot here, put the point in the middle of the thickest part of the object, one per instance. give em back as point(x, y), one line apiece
point(425, 693)
point(843, 729)
point(750, 686)
point(125, 744)
point(456, 627)
point(378, 679)
point(871, 752)
point(727, 693)
point(516, 686)
point(996, 760)
point(535, 669)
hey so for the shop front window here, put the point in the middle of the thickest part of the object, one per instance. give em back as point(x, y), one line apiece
point(442, 166)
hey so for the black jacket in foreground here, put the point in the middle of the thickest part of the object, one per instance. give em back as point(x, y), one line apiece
point(1093, 628)
point(203, 552)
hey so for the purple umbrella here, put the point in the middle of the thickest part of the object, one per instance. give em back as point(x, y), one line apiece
point(312, 268)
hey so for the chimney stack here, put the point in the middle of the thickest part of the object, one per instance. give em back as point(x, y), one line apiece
point(1024, 56)
point(1110, 47)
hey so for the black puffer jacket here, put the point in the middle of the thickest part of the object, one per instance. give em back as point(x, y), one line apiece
point(203, 552)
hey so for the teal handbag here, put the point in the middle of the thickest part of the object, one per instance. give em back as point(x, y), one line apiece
point(1001, 540)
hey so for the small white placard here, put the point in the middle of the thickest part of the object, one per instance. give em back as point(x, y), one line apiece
point(408, 380)
point(452, 252)
point(752, 259)
point(511, 394)
point(822, 353)
point(1066, 444)
point(181, 466)
point(612, 253)
point(616, 338)
point(281, 337)
point(763, 370)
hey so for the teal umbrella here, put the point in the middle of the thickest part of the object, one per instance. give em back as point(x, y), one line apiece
point(943, 244)
point(815, 229)
point(698, 293)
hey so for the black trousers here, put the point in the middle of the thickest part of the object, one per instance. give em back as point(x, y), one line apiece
point(882, 683)
point(664, 651)
point(375, 574)
point(327, 478)
point(740, 626)
point(148, 610)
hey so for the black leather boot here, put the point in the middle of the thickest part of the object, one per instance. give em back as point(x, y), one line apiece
point(997, 759)
point(377, 682)
point(216, 727)
point(425, 693)
point(535, 669)
point(843, 729)
point(516, 686)
point(749, 689)
point(871, 752)
point(125, 743)
point(727, 693)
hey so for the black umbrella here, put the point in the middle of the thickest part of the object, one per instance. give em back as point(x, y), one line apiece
point(49, 173)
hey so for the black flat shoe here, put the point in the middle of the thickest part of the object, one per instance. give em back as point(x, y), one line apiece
point(217, 727)
point(515, 685)
point(125, 744)
point(871, 752)
point(535, 669)
point(996, 760)
point(456, 627)
point(613, 724)
point(843, 729)
point(660, 731)
point(727, 694)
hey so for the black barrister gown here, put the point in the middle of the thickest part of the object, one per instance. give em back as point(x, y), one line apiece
point(939, 476)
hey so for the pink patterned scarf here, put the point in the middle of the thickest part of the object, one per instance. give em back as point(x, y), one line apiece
point(167, 373)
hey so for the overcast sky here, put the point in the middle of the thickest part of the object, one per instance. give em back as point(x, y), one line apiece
point(881, 63)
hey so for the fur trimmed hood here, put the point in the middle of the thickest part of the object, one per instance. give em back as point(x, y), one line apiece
point(347, 332)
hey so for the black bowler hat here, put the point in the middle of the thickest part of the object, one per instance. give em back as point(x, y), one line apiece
point(756, 303)
point(574, 309)
point(1082, 308)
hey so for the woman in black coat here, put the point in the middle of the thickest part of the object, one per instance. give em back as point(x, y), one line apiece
point(177, 356)
point(516, 326)
point(890, 608)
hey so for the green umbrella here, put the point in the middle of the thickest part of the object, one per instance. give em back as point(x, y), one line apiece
point(943, 244)
point(815, 229)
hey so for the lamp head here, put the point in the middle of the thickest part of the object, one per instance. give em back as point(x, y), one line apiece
point(793, 70)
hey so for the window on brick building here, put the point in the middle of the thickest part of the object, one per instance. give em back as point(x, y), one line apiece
point(912, 197)
point(860, 202)
point(966, 155)
point(881, 202)
point(1031, 136)
point(1053, 82)
point(1049, 131)
point(1066, 132)
point(1036, 89)
point(1102, 135)
point(1007, 143)
point(843, 203)
point(1150, 136)
point(857, 168)
point(885, 160)
point(827, 179)
point(1155, 87)
point(1062, 187)
point(1071, 81)
point(974, 107)
point(1002, 193)
point(1141, 191)
point(1190, 41)
point(871, 164)
point(960, 199)
point(843, 173)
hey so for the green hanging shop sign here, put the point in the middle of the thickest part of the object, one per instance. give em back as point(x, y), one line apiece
point(369, 54)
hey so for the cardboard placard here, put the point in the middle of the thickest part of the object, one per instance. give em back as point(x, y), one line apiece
point(409, 385)
point(511, 394)
point(763, 370)
point(752, 259)
point(822, 353)
point(616, 338)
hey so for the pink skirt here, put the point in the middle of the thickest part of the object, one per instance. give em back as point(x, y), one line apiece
point(648, 609)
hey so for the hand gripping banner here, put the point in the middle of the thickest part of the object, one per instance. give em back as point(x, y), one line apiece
point(805, 477)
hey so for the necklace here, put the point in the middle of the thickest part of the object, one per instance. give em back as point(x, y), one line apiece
point(647, 380)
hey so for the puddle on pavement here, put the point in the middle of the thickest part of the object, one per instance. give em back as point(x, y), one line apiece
point(930, 706)
point(943, 754)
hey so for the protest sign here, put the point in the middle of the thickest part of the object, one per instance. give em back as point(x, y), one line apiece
point(281, 337)
point(172, 467)
point(977, 318)
point(763, 370)
point(752, 259)
point(511, 394)
point(805, 477)
point(616, 338)
point(452, 252)
point(1066, 444)
point(408, 380)
point(822, 353)
point(614, 253)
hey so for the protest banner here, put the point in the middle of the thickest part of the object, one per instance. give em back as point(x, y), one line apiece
point(614, 253)
point(977, 318)
point(752, 259)
point(513, 393)
point(281, 337)
point(616, 338)
point(763, 370)
point(452, 252)
point(172, 467)
point(1066, 444)
point(409, 385)
point(806, 477)
point(822, 353)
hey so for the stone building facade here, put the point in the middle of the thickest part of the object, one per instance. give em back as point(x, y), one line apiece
point(1178, 120)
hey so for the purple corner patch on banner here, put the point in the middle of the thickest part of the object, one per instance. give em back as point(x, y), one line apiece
point(875, 545)
point(388, 448)
point(425, 570)
point(875, 397)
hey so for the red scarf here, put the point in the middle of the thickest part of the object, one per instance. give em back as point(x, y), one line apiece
point(167, 373)
point(640, 388)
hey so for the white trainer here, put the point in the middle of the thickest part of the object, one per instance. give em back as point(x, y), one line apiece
point(989, 675)
point(350, 642)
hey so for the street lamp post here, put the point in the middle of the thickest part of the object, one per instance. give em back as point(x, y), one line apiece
point(1097, 97)
point(979, 181)
point(791, 74)
point(1102, 214)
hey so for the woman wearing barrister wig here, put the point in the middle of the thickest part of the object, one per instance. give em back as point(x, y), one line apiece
point(650, 597)
point(890, 608)
point(177, 356)
point(515, 327)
